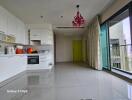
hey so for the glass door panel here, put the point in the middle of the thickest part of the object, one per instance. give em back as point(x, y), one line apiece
point(120, 42)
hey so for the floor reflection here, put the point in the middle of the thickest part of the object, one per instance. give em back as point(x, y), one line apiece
point(130, 92)
point(67, 82)
point(33, 80)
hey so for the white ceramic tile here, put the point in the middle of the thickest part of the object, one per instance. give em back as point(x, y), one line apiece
point(68, 82)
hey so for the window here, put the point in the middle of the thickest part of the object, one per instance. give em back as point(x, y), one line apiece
point(120, 41)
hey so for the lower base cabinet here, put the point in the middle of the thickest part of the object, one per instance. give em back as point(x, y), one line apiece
point(12, 65)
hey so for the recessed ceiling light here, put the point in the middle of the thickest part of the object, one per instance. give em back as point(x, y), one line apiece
point(61, 16)
point(41, 17)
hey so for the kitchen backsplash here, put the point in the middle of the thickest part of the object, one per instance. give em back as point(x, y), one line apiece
point(40, 49)
point(43, 48)
point(2, 47)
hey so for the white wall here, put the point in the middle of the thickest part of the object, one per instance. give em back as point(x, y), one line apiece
point(64, 51)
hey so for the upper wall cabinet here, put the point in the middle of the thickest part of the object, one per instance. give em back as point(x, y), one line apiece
point(41, 32)
point(35, 34)
point(20, 32)
point(3, 20)
point(11, 25)
point(45, 36)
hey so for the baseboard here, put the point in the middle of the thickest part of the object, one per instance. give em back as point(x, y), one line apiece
point(40, 70)
point(65, 62)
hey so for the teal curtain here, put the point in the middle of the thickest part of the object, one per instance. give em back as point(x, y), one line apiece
point(104, 43)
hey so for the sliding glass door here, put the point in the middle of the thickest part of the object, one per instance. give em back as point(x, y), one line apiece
point(120, 41)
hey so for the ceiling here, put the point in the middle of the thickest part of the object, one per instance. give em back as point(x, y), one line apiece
point(30, 11)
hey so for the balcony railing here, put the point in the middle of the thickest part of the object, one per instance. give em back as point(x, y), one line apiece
point(121, 57)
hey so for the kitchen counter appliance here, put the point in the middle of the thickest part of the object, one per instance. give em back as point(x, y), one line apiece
point(33, 59)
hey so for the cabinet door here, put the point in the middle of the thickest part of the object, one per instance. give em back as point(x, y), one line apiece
point(0, 19)
point(50, 39)
point(44, 36)
point(45, 61)
point(21, 32)
point(35, 34)
point(3, 20)
point(15, 65)
point(11, 24)
point(47, 37)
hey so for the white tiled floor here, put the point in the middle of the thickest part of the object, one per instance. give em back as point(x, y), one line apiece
point(68, 82)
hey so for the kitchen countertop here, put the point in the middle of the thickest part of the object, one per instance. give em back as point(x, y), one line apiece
point(9, 55)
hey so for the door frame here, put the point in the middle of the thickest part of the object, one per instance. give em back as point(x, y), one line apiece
point(129, 7)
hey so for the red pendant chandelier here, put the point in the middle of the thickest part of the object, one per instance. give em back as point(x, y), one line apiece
point(78, 19)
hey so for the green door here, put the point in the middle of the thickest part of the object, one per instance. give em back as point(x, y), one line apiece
point(77, 50)
point(104, 46)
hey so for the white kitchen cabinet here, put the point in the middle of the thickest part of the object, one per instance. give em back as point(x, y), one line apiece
point(11, 24)
point(35, 34)
point(3, 20)
point(20, 61)
point(47, 37)
point(16, 64)
point(20, 32)
point(44, 37)
point(43, 62)
point(50, 39)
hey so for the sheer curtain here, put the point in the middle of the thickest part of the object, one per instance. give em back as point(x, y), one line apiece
point(93, 48)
